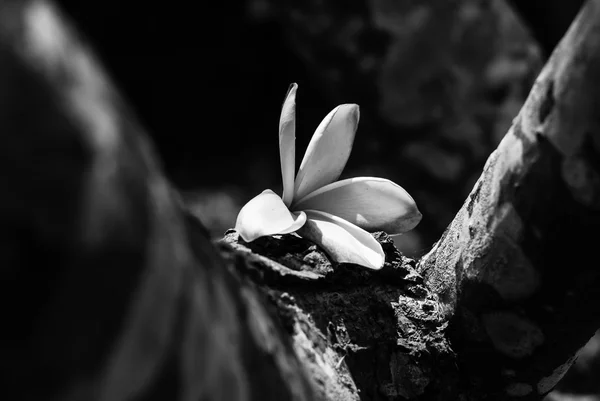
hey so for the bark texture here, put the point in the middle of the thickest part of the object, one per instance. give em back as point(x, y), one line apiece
point(363, 335)
point(516, 266)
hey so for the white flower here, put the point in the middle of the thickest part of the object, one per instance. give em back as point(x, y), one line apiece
point(336, 215)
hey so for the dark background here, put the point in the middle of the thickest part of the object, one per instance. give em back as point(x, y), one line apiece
point(438, 82)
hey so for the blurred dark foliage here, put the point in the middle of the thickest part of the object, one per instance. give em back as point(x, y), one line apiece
point(547, 20)
point(438, 82)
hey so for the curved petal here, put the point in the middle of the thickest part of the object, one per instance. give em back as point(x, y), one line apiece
point(328, 150)
point(287, 144)
point(374, 204)
point(266, 214)
point(343, 241)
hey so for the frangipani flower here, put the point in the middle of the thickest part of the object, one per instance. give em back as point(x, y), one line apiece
point(336, 215)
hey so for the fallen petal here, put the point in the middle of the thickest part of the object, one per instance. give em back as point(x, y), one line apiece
point(328, 150)
point(374, 204)
point(343, 241)
point(287, 143)
point(266, 214)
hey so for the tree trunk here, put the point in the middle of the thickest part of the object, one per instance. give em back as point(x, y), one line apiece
point(113, 292)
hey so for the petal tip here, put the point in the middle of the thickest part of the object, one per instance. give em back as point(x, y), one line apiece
point(265, 215)
point(373, 263)
point(352, 111)
point(291, 89)
point(409, 221)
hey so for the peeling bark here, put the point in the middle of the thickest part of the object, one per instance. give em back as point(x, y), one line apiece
point(515, 268)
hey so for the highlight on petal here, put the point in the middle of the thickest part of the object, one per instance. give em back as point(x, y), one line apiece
point(266, 214)
point(374, 204)
point(328, 150)
point(343, 241)
point(287, 143)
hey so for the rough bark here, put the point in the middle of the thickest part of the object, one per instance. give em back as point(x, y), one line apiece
point(112, 292)
point(516, 266)
point(362, 334)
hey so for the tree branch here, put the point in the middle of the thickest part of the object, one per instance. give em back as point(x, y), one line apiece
point(377, 334)
point(516, 264)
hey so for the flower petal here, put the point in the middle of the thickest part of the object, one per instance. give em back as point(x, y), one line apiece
point(287, 144)
point(266, 214)
point(343, 241)
point(328, 150)
point(374, 204)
